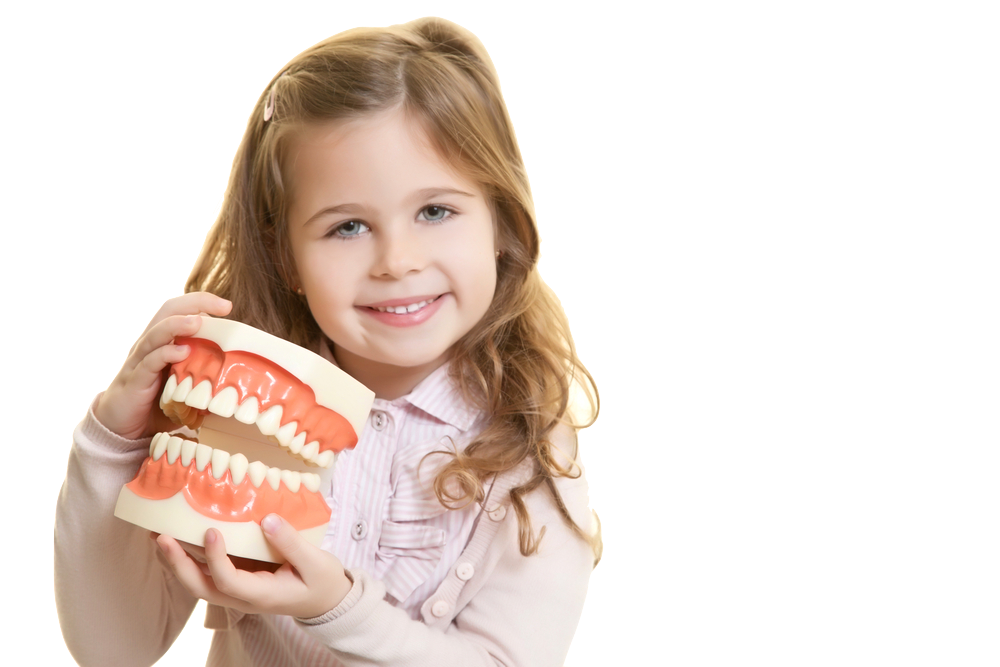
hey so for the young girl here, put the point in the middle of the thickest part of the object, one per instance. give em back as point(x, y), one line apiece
point(378, 213)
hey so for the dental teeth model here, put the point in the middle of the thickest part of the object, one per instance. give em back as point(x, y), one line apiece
point(271, 417)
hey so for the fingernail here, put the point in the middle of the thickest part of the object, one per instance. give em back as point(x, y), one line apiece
point(210, 537)
point(271, 523)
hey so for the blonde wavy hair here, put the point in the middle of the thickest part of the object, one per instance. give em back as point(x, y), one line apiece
point(518, 364)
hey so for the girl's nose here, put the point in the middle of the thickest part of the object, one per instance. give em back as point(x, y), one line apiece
point(399, 254)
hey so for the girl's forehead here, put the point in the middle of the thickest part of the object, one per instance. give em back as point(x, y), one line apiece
point(380, 127)
point(332, 131)
point(378, 141)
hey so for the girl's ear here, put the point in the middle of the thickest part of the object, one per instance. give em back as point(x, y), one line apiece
point(292, 280)
point(291, 276)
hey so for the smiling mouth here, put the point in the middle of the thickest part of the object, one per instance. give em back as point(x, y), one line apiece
point(270, 417)
point(405, 309)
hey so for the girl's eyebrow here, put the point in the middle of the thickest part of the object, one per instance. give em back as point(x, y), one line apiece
point(355, 209)
point(429, 193)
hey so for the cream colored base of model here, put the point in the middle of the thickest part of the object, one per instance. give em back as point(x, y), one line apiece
point(176, 518)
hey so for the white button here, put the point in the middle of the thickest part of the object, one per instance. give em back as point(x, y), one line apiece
point(499, 513)
point(465, 571)
point(359, 530)
point(440, 608)
point(379, 420)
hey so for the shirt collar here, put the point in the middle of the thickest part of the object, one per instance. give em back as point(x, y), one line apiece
point(437, 395)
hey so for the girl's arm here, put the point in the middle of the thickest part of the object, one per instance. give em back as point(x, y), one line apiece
point(525, 613)
point(118, 604)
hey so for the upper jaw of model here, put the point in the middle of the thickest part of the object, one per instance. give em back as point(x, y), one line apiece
point(270, 416)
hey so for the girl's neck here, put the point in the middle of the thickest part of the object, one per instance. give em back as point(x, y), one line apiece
point(387, 381)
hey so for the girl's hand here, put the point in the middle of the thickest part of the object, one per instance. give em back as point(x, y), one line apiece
point(130, 407)
point(198, 555)
point(309, 584)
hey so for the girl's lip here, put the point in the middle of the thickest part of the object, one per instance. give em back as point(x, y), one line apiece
point(404, 319)
point(405, 301)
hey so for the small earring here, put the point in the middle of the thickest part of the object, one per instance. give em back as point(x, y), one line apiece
point(299, 291)
point(499, 252)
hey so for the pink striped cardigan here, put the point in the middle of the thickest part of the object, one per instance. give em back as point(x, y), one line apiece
point(431, 586)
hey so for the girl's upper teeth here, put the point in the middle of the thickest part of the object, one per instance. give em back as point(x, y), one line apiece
point(404, 309)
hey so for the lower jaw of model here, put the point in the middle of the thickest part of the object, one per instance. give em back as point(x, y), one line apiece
point(266, 441)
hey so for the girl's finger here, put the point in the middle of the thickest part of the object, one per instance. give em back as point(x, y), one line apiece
point(228, 579)
point(159, 335)
point(194, 303)
point(198, 583)
point(185, 568)
point(163, 333)
point(197, 554)
point(283, 537)
point(147, 374)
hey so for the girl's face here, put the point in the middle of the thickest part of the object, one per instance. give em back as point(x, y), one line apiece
point(393, 249)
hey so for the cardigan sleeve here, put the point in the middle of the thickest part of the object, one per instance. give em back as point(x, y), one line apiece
point(523, 612)
point(118, 603)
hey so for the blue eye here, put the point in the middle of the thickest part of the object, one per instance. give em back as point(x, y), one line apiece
point(434, 213)
point(350, 228)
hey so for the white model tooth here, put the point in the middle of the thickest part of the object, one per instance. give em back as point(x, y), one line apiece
point(310, 451)
point(200, 396)
point(173, 449)
point(292, 480)
point(160, 447)
point(224, 403)
point(187, 451)
point(238, 467)
point(274, 477)
point(311, 481)
point(325, 460)
point(202, 455)
point(247, 413)
point(295, 446)
point(168, 390)
point(286, 433)
point(257, 472)
point(152, 443)
point(220, 462)
point(270, 420)
point(183, 389)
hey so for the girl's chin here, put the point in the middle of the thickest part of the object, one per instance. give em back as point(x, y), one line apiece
point(371, 351)
point(370, 367)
